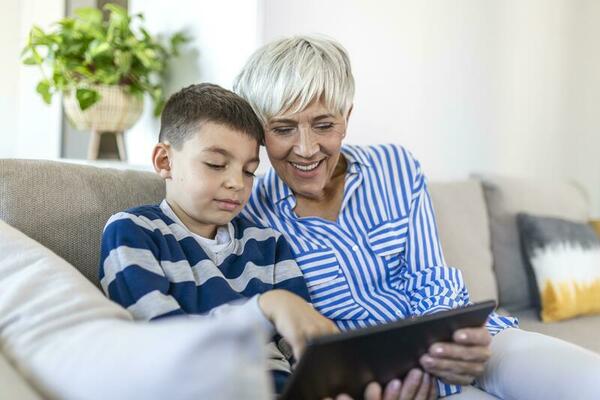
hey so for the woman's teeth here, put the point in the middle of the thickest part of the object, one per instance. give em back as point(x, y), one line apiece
point(309, 167)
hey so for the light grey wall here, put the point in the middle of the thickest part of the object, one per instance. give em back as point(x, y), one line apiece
point(509, 87)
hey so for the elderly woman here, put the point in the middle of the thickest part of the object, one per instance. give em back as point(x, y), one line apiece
point(361, 226)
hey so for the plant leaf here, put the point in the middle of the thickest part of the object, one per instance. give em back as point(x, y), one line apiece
point(97, 47)
point(43, 88)
point(90, 14)
point(87, 97)
point(31, 59)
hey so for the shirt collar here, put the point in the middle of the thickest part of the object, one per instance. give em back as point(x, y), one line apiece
point(223, 236)
point(278, 190)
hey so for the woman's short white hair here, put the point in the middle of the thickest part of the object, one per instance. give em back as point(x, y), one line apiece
point(289, 74)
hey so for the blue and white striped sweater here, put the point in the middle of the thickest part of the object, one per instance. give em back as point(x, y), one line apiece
point(382, 259)
point(155, 267)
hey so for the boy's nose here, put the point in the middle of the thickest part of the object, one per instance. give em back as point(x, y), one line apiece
point(234, 181)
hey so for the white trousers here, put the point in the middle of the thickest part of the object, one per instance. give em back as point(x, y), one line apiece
point(531, 366)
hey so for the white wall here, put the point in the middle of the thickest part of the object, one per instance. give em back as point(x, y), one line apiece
point(224, 35)
point(469, 86)
point(37, 126)
point(582, 98)
point(508, 87)
point(10, 28)
point(30, 128)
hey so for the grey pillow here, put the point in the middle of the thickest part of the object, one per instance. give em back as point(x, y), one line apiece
point(505, 197)
point(515, 290)
point(538, 232)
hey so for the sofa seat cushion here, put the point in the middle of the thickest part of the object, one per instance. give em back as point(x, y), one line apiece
point(462, 221)
point(65, 206)
point(582, 331)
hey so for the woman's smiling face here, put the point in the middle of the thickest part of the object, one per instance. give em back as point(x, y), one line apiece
point(304, 147)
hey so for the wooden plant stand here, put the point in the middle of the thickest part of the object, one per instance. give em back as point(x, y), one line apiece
point(109, 145)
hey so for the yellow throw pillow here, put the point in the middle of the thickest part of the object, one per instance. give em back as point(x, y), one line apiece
point(565, 259)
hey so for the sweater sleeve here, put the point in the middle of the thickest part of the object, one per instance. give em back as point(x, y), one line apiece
point(130, 271)
point(287, 274)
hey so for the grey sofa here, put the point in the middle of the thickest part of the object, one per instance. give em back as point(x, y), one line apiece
point(64, 207)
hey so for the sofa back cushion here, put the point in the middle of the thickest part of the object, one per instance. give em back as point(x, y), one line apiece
point(65, 206)
point(463, 225)
point(505, 198)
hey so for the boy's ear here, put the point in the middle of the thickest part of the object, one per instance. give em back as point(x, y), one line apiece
point(161, 159)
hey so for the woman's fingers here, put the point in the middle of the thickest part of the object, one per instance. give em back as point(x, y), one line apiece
point(433, 393)
point(459, 352)
point(454, 379)
point(427, 389)
point(411, 384)
point(436, 366)
point(473, 336)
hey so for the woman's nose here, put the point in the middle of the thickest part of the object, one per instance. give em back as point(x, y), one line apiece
point(306, 146)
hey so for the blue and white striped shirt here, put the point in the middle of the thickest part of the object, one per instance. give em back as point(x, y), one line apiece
point(382, 259)
point(155, 267)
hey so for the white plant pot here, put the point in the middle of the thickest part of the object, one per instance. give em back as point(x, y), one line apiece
point(116, 111)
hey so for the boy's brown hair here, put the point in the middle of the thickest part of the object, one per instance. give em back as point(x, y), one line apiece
point(187, 109)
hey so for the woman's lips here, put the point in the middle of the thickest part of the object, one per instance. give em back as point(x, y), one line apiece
point(306, 170)
point(227, 205)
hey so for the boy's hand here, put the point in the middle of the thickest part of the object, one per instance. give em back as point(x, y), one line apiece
point(294, 318)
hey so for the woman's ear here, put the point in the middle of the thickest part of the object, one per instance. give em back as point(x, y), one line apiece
point(161, 159)
point(349, 112)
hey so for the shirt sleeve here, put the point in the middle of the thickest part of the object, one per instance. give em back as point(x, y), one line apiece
point(130, 270)
point(430, 284)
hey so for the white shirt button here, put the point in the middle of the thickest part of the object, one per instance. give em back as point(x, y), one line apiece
point(355, 247)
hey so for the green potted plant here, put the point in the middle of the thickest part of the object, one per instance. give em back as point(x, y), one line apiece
point(103, 67)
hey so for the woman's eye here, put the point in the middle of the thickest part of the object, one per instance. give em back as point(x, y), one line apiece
point(251, 174)
point(283, 130)
point(214, 166)
point(324, 127)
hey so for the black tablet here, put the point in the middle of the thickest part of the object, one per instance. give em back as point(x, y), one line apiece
point(347, 362)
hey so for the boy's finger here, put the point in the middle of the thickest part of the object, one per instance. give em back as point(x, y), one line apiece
point(423, 392)
point(392, 390)
point(373, 391)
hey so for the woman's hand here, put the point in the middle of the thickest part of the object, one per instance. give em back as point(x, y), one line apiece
point(294, 319)
point(461, 361)
point(417, 385)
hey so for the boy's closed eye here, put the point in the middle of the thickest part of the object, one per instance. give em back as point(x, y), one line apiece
point(220, 167)
point(215, 165)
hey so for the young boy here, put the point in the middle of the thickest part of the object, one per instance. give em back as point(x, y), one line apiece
point(192, 253)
